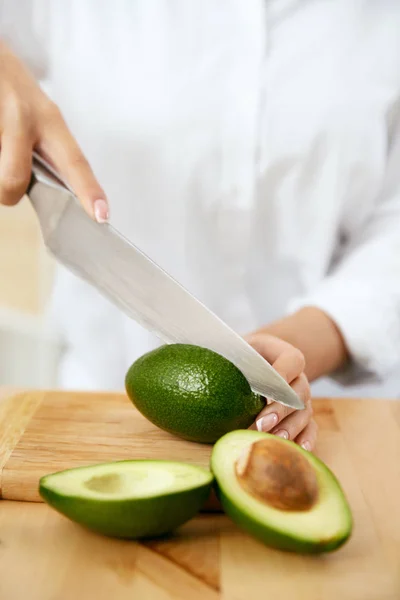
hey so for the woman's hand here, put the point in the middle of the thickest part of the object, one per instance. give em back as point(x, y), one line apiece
point(297, 425)
point(29, 120)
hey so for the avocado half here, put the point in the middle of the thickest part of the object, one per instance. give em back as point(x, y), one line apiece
point(280, 493)
point(129, 499)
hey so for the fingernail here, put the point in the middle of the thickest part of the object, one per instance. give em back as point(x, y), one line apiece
point(267, 422)
point(306, 446)
point(101, 211)
point(283, 434)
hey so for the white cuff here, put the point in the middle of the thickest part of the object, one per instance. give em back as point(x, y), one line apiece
point(369, 322)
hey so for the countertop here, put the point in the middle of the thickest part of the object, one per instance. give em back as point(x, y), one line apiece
point(43, 556)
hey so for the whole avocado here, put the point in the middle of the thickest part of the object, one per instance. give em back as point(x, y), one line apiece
point(192, 392)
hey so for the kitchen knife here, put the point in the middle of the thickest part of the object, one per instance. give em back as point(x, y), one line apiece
point(100, 255)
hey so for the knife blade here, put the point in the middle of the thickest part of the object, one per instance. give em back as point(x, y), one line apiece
point(103, 257)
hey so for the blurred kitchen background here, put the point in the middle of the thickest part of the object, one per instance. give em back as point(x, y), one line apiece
point(29, 349)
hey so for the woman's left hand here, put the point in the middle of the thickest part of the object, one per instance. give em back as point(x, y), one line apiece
point(289, 362)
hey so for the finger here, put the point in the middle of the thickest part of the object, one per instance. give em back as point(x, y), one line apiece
point(269, 346)
point(290, 427)
point(290, 364)
point(274, 413)
point(308, 437)
point(15, 166)
point(287, 360)
point(59, 146)
point(271, 415)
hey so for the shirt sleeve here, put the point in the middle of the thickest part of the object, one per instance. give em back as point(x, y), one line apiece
point(23, 27)
point(362, 293)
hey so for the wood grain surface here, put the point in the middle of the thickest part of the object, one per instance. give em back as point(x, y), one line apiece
point(43, 432)
point(43, 556)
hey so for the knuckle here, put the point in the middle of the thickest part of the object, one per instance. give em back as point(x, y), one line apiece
point(17, 114)
point(77, 160)
point(50, 112)
point(308, 412)
point(15, 102)
point(12, 99)
point(307, 392)
point(285, 412)
point(303, 389)
point(298, 357)
point(304, 381)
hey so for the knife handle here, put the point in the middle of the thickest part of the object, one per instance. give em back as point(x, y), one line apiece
point(44, 172)
point(49, 195)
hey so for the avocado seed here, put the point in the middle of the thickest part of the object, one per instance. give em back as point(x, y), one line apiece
point(277, 474)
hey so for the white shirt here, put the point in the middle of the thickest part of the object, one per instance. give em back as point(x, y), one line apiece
point(252, 149)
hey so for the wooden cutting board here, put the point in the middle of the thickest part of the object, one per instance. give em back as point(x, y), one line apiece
point(44, 556)
point(44, 432)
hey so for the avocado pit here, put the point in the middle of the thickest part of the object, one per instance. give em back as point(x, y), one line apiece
point(277, 474)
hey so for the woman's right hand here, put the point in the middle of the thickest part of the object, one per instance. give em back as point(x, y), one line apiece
point(30, 120)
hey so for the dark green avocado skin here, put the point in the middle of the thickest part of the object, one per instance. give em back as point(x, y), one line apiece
point(130, 518)
point(192, 392)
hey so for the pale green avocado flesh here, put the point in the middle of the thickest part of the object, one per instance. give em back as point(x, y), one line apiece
point(322, 528)
point(129, 499)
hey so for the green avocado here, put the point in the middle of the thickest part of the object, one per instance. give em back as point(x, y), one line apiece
point(281, 494)
point(129, 499)
point(192, 392)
